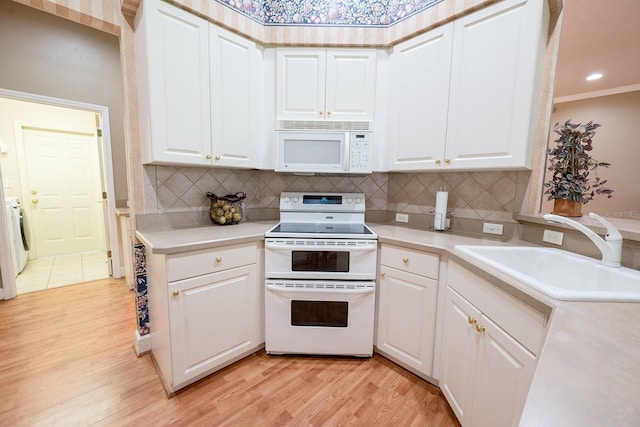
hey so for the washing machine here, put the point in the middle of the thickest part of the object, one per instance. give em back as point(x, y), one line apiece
point(17, 238)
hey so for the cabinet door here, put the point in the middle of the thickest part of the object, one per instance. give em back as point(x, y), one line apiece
point(505, 370)
point(350, 84)
point(420, 70)
point(300, 83)
point(235, 82)
point(213, 320)
point(459, 354)
point(493, 97)
point(172, 51)
point(406, 317)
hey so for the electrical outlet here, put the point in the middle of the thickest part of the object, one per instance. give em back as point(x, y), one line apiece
point(554, 237)
point(492, 228)
point(402, 217)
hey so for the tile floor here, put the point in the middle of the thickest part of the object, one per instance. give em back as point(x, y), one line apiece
point(62, 270)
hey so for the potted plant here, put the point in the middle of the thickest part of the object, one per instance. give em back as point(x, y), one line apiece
point(571, 166)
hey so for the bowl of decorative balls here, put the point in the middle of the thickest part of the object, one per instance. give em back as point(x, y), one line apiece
point(226, 210)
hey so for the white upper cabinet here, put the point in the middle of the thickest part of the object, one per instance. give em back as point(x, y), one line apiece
point(325, 84)
point(172, 59)
point(466, 95)
point(494, 97)
point(198, 87)
point(236, 91)
point(420, 95)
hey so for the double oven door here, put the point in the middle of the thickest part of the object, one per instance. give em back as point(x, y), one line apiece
point(319, 317)
point(327, 259)
point(320, 296)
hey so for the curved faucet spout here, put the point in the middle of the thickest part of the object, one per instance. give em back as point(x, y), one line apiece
point(610, 247)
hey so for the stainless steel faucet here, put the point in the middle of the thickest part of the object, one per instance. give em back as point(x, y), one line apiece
point(611, 246)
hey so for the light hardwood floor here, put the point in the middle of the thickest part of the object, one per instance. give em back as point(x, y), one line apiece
point(66, 359)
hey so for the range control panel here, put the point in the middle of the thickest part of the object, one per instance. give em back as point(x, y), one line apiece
point(322, 202)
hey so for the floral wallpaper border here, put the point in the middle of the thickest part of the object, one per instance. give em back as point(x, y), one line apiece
point(354, 13)
point(140, 271)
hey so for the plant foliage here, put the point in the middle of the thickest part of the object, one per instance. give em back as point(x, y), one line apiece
point(571, 164)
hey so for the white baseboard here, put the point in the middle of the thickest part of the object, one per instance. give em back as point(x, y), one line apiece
point(142, 344)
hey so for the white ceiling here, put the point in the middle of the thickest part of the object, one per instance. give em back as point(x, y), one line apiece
point(598, 36)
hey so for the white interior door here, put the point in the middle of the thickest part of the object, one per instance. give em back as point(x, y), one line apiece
point(64, 186)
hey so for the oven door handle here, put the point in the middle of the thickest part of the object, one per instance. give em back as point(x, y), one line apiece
point(282, 290)
point(368, 248)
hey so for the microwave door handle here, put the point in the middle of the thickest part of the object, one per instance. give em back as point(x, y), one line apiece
point(282, 290)
point(347, 152)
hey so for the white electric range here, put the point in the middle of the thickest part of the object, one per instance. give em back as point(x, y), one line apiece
point(320, 270)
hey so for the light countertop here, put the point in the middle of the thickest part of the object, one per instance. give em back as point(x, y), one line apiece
point(122, 211)
point(174, 240)
point(588, 373)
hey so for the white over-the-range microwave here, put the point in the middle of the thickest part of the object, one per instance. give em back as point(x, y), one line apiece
point(325, 152)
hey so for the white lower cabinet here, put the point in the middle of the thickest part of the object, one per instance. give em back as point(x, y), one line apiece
point(407, 307)
point(485, 371)
point(205, 321)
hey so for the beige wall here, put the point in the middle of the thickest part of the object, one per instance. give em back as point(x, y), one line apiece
point(48, 55)
point(617, 142)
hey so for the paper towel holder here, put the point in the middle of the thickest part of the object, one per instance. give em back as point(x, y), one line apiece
point(447, 221)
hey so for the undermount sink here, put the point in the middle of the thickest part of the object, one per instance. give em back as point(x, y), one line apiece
point(559, 274)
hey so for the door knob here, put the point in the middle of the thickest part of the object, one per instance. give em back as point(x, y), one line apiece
point(176, 293)
point(217, 157)
point(208, 156)
point(472, 320)
point(480, 328)
point(383, 274)
point(405, 260)
point(34, 201)
point(218, 260)
point(34, 192)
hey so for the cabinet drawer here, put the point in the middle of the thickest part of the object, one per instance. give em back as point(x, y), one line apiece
point(412, 261)
point(205, 261)
point(517, 318)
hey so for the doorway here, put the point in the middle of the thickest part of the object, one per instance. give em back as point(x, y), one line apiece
point(58, 164)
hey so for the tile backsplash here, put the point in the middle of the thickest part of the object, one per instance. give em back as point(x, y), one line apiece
point(489, 196)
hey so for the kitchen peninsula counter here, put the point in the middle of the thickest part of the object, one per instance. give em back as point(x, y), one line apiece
point(588, 372)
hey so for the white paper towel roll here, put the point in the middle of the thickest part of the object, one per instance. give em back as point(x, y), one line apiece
point(440, 219)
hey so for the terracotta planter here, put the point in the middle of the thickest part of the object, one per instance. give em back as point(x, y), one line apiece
point(567, 207)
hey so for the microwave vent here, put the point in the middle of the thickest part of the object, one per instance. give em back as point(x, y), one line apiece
point(324, 125)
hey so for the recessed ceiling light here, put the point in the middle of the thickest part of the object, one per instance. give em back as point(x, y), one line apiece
point(594, 76)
